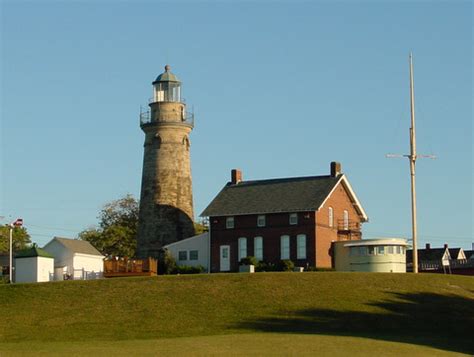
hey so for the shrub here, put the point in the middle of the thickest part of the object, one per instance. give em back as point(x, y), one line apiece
point(264, 266)
point(249, 261)
point(287, 265)
point(166, 263)
point(185, 269)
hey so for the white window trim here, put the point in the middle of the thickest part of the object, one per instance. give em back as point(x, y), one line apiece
point(301, 246)
point(293, 215)
point(259, 257)
point(242, 248)
point(285, 248)
point(230, 222)
point(346, 219)
point(331, 217)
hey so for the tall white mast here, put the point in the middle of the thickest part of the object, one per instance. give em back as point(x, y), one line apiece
point(412, 158)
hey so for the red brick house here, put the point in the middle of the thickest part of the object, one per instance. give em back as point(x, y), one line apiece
point(289, 218)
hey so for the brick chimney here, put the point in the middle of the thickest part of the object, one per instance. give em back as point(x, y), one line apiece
point(236, 176)
point(445, 245)
point(335, 169)
point(428, 246)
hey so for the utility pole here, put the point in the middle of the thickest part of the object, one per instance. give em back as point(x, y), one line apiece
point(412, 158)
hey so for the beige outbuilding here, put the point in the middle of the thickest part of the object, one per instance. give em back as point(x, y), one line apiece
point(381, 255)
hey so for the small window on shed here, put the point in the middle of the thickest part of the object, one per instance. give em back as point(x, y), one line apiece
point(182, 255)
point(229, 222)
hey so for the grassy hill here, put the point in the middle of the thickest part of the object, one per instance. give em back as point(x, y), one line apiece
point(428, 310)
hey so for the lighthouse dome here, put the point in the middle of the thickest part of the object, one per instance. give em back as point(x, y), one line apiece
point(167, 76)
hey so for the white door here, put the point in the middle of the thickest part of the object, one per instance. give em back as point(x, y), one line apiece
point(225, 258)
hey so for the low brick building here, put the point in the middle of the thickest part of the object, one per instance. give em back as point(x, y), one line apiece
point(277, 219)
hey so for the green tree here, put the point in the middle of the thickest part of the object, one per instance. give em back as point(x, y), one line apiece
point(21, 238)
point(201, 227)
point(117, 231)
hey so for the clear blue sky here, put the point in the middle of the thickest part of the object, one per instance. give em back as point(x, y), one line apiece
point(279, 90)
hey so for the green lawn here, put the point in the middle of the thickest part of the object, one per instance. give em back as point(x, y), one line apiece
point(280, 312)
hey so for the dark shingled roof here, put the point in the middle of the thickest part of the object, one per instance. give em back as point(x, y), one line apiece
point(32, 252)
point(454, 252)
point(271, 196)
point(78, 246)
point(426, 255)
point(469, 254)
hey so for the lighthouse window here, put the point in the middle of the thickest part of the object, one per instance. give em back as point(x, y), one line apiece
point(186, 142)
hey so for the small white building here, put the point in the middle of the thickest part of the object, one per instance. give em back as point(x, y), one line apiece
point(382, 255)
point(33, 265)
point(193, 251)
point(75, 259)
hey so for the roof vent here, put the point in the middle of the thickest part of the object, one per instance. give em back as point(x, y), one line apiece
point(236, 176)
point(335, 169)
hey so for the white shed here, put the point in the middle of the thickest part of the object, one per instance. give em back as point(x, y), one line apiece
point(193, 251)
point(33, 265)
point(75, 259)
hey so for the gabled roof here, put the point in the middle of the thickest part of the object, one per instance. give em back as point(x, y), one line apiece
point(427, 255)
point(294, 194)
point(32, 252)
point(469, 254)
point(456, 252)
point(76, 246)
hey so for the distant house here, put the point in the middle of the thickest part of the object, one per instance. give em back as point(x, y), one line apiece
point(278, 219)
point(441, 260)
point(33, 265)
point(193, 251)
point(75, 259)
point(430, 259)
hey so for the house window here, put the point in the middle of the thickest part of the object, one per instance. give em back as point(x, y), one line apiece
point(285, 247)
point(301, 246)
point(261, 221)
point(346, 220)
point(380, 250)
point(399, 250)
point(193, 255)
point(242, 248)
point(390, 249)
point(229, 222)
point(258, 248)
point(362, 251)
point(293, 219)
point(182, 255)
point(371, 250)
point(331, 217)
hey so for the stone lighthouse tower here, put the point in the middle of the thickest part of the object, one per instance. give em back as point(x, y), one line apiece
point(166, 201)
